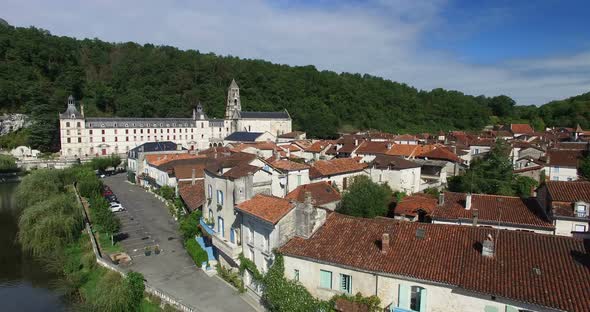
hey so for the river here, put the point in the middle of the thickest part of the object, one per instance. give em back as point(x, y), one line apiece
point(24, 285)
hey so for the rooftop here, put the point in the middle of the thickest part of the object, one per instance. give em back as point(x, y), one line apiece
point(505, 210)
point(410, 205)
point(266, 207)
point(288, 165)
point(569, 191)
point(392, 163)
point(521, 128)
point(566, 158)
point(265, 115)
point(160, 159)
point(243, 136)
point(193, 195)
point(546, 270)
point(321, 193)
point(323, 168)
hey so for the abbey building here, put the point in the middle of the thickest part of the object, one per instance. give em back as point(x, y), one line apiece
point(82, 136)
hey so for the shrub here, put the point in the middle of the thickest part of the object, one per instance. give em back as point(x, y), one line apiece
point(231, 277)
point(195, 251)
point(136, 287)
point(167, 192)
point(372, 302)
point(189, 225)
point(366, 198)
point(102, 216)
point(7, 163)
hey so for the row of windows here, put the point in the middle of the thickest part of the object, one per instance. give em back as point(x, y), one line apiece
point(149, 138)
point(79, 124)
point(344, 285)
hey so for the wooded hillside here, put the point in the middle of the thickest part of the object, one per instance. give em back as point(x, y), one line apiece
point(38, 71)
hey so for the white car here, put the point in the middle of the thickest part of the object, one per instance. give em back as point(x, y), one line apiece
point(116, 207)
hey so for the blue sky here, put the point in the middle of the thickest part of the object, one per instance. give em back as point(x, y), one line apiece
point(534, 51)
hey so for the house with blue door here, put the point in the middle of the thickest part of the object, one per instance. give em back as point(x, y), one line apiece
point(425, 267)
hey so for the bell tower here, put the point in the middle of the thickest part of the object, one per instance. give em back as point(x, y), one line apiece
point(234, 104)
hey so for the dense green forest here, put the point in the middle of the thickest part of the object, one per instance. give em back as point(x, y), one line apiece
point(38, 71)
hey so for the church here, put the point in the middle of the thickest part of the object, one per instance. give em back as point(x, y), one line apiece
point(83, 137)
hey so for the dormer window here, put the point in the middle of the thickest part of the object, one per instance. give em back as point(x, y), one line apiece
point(102, 125)
point(73, 116)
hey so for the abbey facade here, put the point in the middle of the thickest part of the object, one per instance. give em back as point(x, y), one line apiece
point(83, 137)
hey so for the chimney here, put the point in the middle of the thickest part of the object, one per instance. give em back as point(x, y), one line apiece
point(385, 243)
point(475, 216)
point(356, 142)
point(487, 249)
point(389, 145)
point(441, 198)
point(277, 155)
point(420, 233)
point(194, 114)
point(82, 109)
point(178, 147)
point(193, 176)
point(468, 201)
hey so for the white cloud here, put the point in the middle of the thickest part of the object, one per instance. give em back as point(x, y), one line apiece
point(379, 37)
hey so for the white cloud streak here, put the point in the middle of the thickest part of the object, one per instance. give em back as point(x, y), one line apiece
point(379, 37)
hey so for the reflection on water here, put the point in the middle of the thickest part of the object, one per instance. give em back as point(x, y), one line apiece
point(24, 285)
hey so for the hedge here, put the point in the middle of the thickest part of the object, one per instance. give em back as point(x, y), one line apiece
point(195, 251)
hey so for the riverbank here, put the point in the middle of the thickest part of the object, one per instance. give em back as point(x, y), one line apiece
point(50, 228)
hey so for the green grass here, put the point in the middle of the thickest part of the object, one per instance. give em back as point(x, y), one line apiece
point(147, 306)
point(195, 251)
point(105, 244)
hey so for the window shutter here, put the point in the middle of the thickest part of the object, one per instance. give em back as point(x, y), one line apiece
point(489, 308)
point(511, 309)
point(423, 299)
point(325, 279)
point(403, 298)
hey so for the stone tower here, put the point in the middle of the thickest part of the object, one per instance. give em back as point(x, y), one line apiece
point(234, 105)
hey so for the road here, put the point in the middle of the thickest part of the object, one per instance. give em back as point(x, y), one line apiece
point(147, 222)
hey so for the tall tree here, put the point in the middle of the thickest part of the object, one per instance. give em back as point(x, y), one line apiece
point(365, 198)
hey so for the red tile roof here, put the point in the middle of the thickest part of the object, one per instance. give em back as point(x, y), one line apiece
point(318, 146)
point(564, 158)
point(266, 207)
point(192, 195)
point(546, 270)
point(569, 191)
point(323, 168)
point(288, 165)
point(495, 209)
point(521, 128)
point(410, 205)
point(321, 193)
point(441, 153)
point(160, 159)
point(368, 147)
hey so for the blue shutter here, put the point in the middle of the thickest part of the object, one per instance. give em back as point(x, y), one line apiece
point(423, 299)
point(403, 297)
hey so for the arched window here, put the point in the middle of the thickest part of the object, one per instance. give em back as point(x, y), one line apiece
point(68, 124)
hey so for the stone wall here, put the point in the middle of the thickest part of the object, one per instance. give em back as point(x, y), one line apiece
point(12, 122)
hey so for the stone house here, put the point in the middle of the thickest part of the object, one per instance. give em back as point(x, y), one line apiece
point(567, 204)
point(439, 267)
point(400, 174)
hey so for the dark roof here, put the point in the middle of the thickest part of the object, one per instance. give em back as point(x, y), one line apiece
point(243, 136)
point(321, 193)
point(369, 147)
point(71, 110)
point(291, 135)
point(566, 158)
point(131, 122)
point(569, 191)
point(547, 270)
point(149, 147)
point(392, 163)
point(441, 153)
point(240, 170)
point(265, 115)
point(216, 165)
point(505, 210)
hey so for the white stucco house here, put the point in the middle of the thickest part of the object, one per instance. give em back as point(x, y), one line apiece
point(568, 206)
point(400, 174)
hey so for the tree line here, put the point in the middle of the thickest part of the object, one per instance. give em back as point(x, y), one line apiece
point(39, 70)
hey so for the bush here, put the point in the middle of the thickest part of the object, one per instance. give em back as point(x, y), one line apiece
point(102, 216)
point(136, 286)
point(189, 225)
point(195, 251)
point(102, 163)
point(231, 277)
point(372, 302)
point(7, 163)
point(167, 192)
point(366, 198)
point(14, 139)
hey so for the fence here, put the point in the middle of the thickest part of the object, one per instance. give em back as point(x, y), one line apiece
point(164, 296)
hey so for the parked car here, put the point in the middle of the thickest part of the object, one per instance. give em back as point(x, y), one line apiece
point(111, 198)
point(107, 193)
point(116, 207)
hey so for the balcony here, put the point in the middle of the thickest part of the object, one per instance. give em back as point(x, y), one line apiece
point(226, 247)
point(207, 227)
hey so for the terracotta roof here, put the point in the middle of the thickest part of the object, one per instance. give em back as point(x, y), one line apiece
point(521, 128)
point(546, 270)
point(368, 147)
point(318, 146)
point(240, 170)
point(266, 207)
point(216, 164)
point(392, 163)
point(160, 159)
point(404, 137)
point(563, 158)
point(582, 146)
point(287, 165)
point(441, 153)
point(257, 145)
point(508, 210)
point(192, 195)
point(185, 170)
point(321, 193)
point(323, 168)
point(410, 205)
point(569, 191)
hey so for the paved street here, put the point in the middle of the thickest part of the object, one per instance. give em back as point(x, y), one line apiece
point(147, 222)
